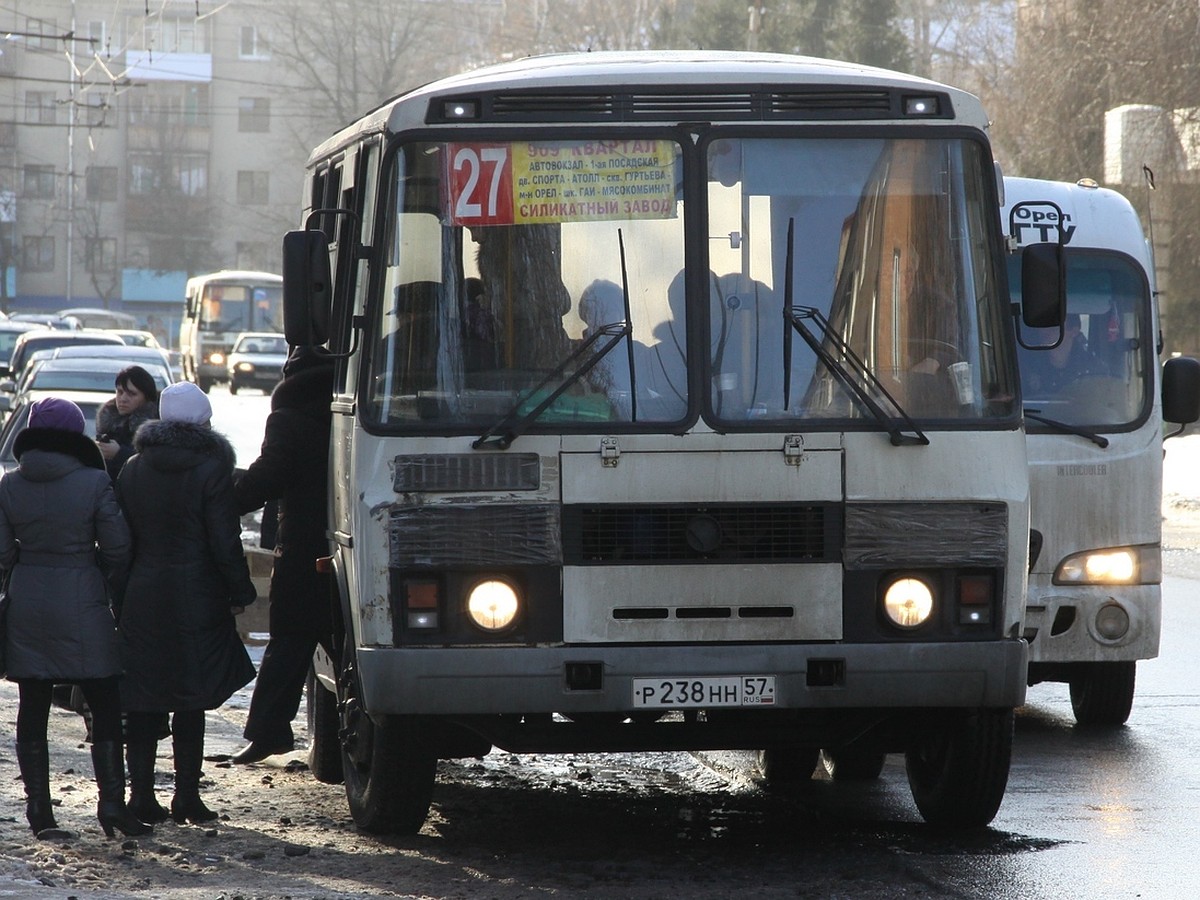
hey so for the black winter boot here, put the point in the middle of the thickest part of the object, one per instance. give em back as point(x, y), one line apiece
point(186, 805)
point(110, 779)
point(139, 757)
point(34, 759)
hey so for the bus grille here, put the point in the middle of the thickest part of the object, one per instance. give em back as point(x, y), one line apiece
point(699, 534)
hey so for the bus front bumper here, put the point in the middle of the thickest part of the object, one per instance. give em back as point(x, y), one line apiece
point(598, 679)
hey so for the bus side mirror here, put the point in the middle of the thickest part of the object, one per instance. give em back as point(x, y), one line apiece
point(307, 287)
point(1043, 286)
point(1181, 390)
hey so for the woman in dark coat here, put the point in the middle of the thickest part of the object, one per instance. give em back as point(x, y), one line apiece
point(292, 468)
point(179, 641)
point(117, 421)
point(59, 525)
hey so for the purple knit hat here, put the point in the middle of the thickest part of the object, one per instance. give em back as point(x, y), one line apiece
point(52, 412)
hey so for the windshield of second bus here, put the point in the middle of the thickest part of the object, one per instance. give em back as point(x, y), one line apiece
point(233, 308)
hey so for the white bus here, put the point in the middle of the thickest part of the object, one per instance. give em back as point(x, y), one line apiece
point(678, 408)
point(1094, 409)
point(217, 308)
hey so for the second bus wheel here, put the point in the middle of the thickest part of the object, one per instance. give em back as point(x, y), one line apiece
point(787, 765)
point(1102, 693)
point(324, 746)
point(852, 765)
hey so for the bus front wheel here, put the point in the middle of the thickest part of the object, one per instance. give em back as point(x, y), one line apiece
point(852, 765)
point(787, 765)
point(959, 769)
point(388, 767)
point(1102, 693)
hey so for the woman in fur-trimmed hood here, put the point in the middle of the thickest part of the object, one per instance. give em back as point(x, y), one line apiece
point(189, 578)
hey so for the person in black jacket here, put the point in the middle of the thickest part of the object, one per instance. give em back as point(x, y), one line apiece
point(117, 421)
point(292, 468)
point(62, 536)
point(179, 641)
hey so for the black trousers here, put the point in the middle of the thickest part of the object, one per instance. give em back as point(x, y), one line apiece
point(103, 698)
point(277, 690)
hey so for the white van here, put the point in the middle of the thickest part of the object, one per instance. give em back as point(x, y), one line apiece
point(1095, 401)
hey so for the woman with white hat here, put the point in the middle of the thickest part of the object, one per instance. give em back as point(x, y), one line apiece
point(179, 641)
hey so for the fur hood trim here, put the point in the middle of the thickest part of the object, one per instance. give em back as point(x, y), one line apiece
point(198, 439)
point(108, 419)
point(77, 446)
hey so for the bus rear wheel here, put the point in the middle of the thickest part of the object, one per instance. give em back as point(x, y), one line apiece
point(852, 765)
point(787, 765)
point(958, 770)
point(1102, 693)
point(389, 769)
point(324, 748)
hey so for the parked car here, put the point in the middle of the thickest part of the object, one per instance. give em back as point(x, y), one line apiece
point(57, 321)
point(48, 374)
point(88, 401)
point(97, 317)
point(32, 341)
point(135, 338)
point(130, 354)
point(10, 330)
point(256, 360)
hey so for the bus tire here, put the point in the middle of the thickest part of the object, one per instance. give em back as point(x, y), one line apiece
point(324, 748)
point(388, 768)
point(206, 384)
point(1102, 693)
point(852, 765)
point(787, 765)
point(233, 388)
point(958, 771)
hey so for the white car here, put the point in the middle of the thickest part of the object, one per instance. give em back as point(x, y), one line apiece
point(89, 402)
point(256, 361)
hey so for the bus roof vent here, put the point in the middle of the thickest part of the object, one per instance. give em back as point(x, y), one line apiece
point(527, 107)
point(831, 105)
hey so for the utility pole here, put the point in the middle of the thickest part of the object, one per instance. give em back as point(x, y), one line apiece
point(756, 13)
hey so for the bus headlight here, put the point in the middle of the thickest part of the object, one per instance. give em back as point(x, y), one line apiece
point(1112, 621)
point(216, 358)
point(908, 602)
point(493, 605)
point(1112, 565)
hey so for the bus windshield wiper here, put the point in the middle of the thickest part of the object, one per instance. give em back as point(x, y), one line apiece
point(513, 423)
point(845, 366)
point(1098, 439)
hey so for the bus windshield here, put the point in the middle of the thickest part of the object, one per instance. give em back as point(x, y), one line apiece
point(241, 307)
point(1099, 376)
point(545, 279)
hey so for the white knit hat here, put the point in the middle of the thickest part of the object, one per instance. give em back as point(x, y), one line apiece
point(184, 402)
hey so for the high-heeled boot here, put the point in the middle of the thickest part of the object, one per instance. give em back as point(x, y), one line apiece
point(139, 757)
point(110, 780)
point(186, 805)
point(33, 757)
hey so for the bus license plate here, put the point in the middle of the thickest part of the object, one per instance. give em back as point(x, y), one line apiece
point(684, 692)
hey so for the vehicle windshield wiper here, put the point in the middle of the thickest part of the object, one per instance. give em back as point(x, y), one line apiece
point(513, 423)
point(1098, 439)
point(845, 366)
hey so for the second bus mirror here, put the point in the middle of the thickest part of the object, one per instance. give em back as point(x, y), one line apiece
point(307, 287)
point(1181, 390)
point(1043, 286)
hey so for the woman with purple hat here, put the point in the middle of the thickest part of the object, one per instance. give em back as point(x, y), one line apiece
point(62, 535)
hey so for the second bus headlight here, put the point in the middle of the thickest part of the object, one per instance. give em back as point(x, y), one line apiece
point(908, 602)
point(1111, 565)
point(493, 605)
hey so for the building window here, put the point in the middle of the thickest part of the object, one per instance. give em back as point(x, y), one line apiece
point(97, 33)
point(43, 34)
point(37, 253)
point(102, 182)
point(41, 108)
point(163, 104)
point(101, 254)
point(252, 188)
point(95, 110)
point(175, 35)
point(252, 45)
point(254, 114)
point(39, 182)
point(185, 173)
